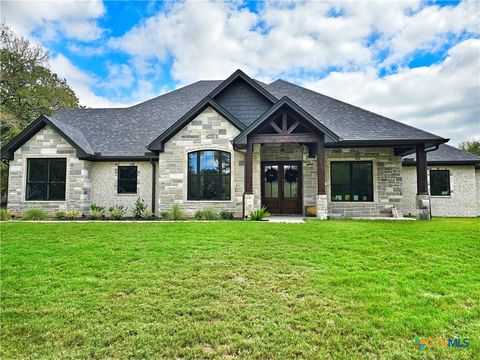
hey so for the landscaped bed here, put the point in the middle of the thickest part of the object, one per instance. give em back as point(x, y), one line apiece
point(324, 289)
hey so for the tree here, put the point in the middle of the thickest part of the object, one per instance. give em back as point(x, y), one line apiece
point(28, 89)
point(472, 146)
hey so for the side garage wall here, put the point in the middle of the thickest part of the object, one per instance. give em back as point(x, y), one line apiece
point(463, 201)
point(47, 143)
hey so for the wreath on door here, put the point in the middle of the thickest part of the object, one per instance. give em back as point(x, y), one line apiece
point(271, 175)
point(291, 175)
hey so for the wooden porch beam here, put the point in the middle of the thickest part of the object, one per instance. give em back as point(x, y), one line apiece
point(422, 183)
point(321, 165)
point(284, 138)
point(249, 168)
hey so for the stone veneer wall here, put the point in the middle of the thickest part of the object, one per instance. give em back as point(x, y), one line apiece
point(104, 177)
point(47, 143)
point(387, 182)
point(463, 201)
point(477, 181)
point(208, 131)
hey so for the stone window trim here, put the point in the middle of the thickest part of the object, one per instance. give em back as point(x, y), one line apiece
point(24, 177)
point(451, 171)
point(230, 151)
point(135, 194)
point(328, 188)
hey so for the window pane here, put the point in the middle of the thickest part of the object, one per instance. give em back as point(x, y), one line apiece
point(192, 187)
point(208, 186)
point(362, 193)
point(209, 162)
point(127, 186)
point(361, 173)
point(56, 191)
point(192, 163)
point(341, 192)
point(226, 187)
point(127, 172)
point(127, 179)
point(36, 191)
point(225, 163)
point(440, 182)
point(340, 173)
point(37, 170)
point(58, 170)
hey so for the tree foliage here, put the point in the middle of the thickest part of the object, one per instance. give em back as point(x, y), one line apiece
point(471, 146)
point(28, 88)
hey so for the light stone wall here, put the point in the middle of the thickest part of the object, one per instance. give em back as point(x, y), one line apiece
point(387, 182)
point(463, 201)
point(47, 143)
point(104, 177)
point(208, 131)
point(477, 181)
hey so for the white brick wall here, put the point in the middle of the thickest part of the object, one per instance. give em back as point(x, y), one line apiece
point(463, 201)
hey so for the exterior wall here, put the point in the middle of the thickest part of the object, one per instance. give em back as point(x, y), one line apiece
point(104, 177)
point(49, 144)
point(463, 201)
point(477, 181)
point(208, 131)
point(387, 182)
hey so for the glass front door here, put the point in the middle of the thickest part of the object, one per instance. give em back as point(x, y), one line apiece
point(281, 187)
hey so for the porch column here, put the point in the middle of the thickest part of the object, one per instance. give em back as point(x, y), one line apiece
point(248, 197)
point(322, 211)
point(422, 199)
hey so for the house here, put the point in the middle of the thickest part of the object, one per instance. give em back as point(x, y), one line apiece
point(232, 145)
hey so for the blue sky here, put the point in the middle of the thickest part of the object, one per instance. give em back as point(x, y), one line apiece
point(417, 62)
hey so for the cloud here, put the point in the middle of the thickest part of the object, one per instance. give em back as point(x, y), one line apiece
point(81, 82)
point(53, 20)
point(442, 98)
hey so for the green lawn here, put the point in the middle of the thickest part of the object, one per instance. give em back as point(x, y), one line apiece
point(325, 289)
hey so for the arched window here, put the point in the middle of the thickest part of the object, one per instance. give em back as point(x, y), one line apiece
point(209, 175)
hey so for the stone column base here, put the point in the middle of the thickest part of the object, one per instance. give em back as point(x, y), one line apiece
point(423, 207)
point(248, 204)
point(322, 211)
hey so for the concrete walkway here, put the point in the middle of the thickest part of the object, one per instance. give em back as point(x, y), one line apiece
point(286, 219)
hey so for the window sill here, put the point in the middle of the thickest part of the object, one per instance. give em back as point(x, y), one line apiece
point(210, 201)
point(350, 201)
point(128, 194)
point(45, 201)
point(440, 196)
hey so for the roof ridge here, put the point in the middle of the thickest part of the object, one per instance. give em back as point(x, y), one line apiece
point(360, 108)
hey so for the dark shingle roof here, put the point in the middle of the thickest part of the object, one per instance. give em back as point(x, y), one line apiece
point(128, 131)
point(445, 154)
point(347, 121)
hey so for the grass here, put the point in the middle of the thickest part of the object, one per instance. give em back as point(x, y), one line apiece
point(331, 289)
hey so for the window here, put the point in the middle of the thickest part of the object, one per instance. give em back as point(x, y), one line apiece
point(127, 180)
point(209, 175)
point(46, 179)
point(440, 182)
point(352, 181)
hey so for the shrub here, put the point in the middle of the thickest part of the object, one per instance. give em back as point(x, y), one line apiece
point(175, 214)
point(96, 207)
point(146, 214)
point(60, 215)
point(259, 214)
point(117, 212)
point(139, 207)
point(95, 214)
point(207, 214)
point(5, 214)
point(72, 214)
point(226, 215)
point(35, 214)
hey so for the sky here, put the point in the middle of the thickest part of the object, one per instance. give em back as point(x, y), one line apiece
point(414, 61)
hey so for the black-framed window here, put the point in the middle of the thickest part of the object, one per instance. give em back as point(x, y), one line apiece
point(46, 179)
point(127, 180)
point(209, 175)
point(351, 181)
point(440, 182)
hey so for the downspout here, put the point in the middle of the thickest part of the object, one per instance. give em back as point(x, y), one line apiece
point(154, 182)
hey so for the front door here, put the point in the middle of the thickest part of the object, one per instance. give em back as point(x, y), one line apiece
point(282, 187)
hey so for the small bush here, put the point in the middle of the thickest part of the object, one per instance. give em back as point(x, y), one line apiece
point(35, 214)
point(146, 214)
point(139, 207)
point(72, 214)
point(96, 207)
point(259, 214)
point(60, 215)
point(175, 214)
point(117, 212)
point(95, 214)
point(207, 214)
point(5, 214)
point(226, 215)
